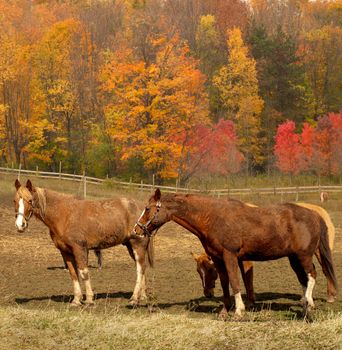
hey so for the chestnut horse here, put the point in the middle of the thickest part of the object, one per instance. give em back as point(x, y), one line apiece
point(77, 226)
point(230, 230)
point(208, 274)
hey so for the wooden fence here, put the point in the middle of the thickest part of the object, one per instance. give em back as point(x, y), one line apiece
point(149, 187)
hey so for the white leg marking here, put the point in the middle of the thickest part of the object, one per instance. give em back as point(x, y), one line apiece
point(140, 277)
point(239, 305)
point(19, 223)
point(309, 289)
point(77, 292)
point(89, 291)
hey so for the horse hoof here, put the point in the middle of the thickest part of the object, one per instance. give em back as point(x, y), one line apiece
point(133, 302)
point(89, 302)
point(75, 303)
point(223, 315)
point(330, 299)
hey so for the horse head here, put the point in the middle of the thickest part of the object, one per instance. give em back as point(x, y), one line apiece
point(23, 204)
point(153, 216)
point(207, 271)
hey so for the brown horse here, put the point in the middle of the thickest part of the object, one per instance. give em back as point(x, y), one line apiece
point(230, 231)
point(208, 274)
point(77, 226)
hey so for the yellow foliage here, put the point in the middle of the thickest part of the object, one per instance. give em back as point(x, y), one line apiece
point(150, 106)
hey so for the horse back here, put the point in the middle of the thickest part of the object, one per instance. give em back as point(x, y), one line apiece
point(100, 224)
point(276, 231)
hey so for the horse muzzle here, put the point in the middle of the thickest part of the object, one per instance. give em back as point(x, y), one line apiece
point(21, 228)
point(209, 293)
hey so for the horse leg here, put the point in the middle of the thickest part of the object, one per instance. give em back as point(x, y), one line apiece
point(246, 268)
point(222, 272)
point(139, 252)
point(306, 274)
point(99, 258)
point(81, 256)
point(331, 291)
point(65, 263)
point(231, 263)
point(71, 265)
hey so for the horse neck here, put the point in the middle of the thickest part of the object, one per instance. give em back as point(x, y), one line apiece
point(183, 214)
point(53, 204)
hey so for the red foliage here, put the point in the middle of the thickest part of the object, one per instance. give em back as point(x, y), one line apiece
point(215, 150)
point(287, 148)
point(318, 149)
point(328, 144)
point(307, 146)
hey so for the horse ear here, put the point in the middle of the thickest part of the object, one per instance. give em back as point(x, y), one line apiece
point(29, 185)
point(195, 256)
point(17, 184)
point(157, 195)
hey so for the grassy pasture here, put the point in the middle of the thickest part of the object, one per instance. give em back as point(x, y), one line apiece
point(35, 292)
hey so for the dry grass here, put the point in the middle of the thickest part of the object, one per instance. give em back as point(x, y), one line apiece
point(50, 329)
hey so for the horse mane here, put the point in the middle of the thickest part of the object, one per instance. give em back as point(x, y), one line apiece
point(25, 193)
point(41, 201)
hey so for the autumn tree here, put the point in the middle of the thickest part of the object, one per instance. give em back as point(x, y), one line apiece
point(287, 148)
point(54, 92)
point(14, 81)
point(322, 53)
point(149, 104)
point(238, 87)
point(327, 145)
point(214, 150)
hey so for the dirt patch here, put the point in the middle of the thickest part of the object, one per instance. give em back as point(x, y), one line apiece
point(32, 274)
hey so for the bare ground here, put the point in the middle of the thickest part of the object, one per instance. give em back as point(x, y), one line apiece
point(32, 274)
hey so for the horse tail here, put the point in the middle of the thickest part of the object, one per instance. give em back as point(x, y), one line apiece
point(325, 255)
point(326, 218)
point(150, 251)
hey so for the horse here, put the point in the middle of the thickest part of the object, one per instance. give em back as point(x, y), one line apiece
point(231, 231)
point(208, 274)
point(324, 196)
point(77, 226)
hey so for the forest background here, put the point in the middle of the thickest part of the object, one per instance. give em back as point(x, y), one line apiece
point(172, 89)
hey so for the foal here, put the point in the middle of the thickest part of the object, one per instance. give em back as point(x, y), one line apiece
point(77, 226)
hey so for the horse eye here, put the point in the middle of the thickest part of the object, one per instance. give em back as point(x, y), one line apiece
point(147, 209)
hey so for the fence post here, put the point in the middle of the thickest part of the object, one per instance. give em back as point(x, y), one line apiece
point(177, 185)
point(297, 194)
point(84, 185)
point(19, 171)
point(37, 171)
point(60, 169)
point(141, 186)
point(153, 182)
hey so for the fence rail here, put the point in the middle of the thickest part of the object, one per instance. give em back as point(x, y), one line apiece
point(149, 187)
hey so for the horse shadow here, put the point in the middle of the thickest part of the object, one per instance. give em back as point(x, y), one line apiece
point(53, 268)
point(264, 301)
point(68, 298)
